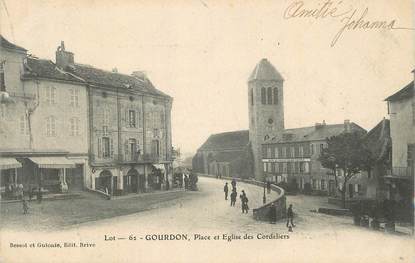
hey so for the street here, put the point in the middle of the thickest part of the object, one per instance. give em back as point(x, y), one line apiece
point(206, 213)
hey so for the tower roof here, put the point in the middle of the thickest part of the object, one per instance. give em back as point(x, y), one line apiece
point(264, 70)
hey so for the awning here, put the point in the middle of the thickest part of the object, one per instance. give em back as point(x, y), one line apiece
point(9, 163)
point(159, 166)
point(53, 162)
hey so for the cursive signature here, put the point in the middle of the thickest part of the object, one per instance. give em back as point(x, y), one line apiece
point(348, 17)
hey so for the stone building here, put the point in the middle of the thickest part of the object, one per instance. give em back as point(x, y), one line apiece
point(43, 123)
point(130, 129)
point(75, 126)
point(401, 109)
point(293, 158)
point(224, 154)
point(267, 130)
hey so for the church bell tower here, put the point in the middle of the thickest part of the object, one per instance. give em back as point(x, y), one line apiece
point(266, 110)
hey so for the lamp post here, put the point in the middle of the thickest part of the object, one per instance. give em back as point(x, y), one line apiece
point(264, 198)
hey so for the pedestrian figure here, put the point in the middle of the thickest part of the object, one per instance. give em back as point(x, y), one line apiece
point(186, 182)
point(30, 193)
point(290, 217)
point(226, 189)
point(272, 214)
point(39, 195)
point(25, 206)
point(244, 202)
point(268, 187)
point(233, 197)
point(233, 183)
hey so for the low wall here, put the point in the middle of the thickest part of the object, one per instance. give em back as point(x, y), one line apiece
point(262, 213)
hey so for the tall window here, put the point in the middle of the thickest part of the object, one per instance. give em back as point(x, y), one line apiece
point(265, 167)
point(284, 152)
point(301, 151)
point(51, 126)
point(311, 149)
point(284, 167)
point(155, 147)
point(106, 151)
point(74, 97)
point(263, 96)
point(106, 117)
point(292, 152)
point(323, 185)
point(321, 147)
point(50, 95)
point(2, 80)
point(74, 126)
point(269, 95)
point(269, 152)
point(24, 125)
point(275, 95)
point(301, 167)
point(132, 144)
point(132, 119)
point(276, 152)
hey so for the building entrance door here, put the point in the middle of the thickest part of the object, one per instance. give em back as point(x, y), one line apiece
point(75, 178)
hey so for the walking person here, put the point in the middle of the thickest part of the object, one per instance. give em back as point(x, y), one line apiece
point(244, 202)
point(233, 183)
point(39, 195)
point(272, 214)
point(233, 197)
point(186, 182)
point(268, 187)
point(25, 206)
point(290, 217)
point(226, 189)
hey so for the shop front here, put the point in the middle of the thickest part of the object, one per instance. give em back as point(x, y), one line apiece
point(10, 183)
point(51, 172)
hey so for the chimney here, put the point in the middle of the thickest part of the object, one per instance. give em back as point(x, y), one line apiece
point(324, 123)
point(347, 127)
point(114, 70)
point(64, 59)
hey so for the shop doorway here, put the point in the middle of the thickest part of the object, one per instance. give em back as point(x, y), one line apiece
point(75, 178)
point(103, 181)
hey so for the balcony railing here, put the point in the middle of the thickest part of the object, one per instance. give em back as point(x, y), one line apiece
point(401, 172)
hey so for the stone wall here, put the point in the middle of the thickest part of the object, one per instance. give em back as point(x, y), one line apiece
point(262, 213)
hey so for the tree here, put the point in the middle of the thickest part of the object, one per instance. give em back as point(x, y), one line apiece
point(349, 153)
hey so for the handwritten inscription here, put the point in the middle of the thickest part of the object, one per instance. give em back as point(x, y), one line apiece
point(350, 18)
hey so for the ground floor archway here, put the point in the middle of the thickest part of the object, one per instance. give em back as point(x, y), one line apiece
point(103, 181)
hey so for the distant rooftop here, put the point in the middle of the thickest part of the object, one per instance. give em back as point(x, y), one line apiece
point(405, 92)
point(7, 44)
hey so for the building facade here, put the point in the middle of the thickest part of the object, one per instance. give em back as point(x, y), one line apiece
point(293, 159)
point(43, 135)
point(130, 142)
point(401, 109)
point(76, 126)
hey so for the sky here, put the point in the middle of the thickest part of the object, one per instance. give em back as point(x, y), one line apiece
point(202, 53)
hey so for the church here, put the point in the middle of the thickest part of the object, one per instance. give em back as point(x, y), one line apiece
point(268, 151)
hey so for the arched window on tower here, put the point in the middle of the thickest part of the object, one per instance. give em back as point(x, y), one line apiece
point(269, 95)
point(275, 95)
point(251, 96)
point(263, 96)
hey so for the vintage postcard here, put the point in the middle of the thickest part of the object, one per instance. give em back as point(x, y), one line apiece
point(207, 131)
